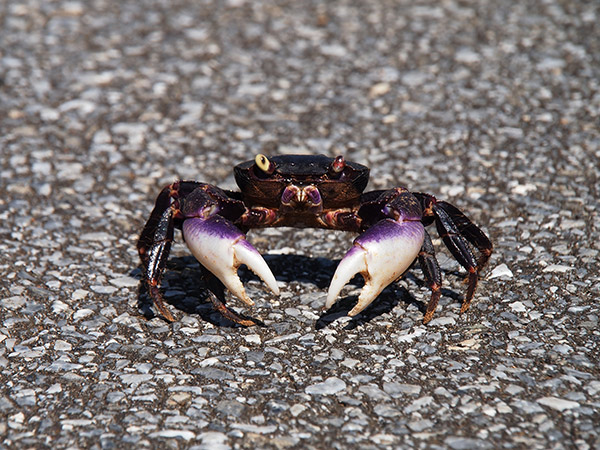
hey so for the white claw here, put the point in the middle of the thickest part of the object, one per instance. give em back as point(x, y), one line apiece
point(354, 262)
point(381, 255)
point(244, 253)
point(222, 249)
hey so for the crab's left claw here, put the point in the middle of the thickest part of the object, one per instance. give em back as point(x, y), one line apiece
point(222, 248)
point(381, 255)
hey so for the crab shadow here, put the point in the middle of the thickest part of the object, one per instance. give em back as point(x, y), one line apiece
point(184, 289)
point(387, 300)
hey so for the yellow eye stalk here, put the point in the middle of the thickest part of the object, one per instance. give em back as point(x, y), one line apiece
point(263, 163)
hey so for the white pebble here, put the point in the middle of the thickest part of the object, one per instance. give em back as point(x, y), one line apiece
point(209, 362)
point(125, 282)
point(78, 294)
point(297, 409)
point(467, 56)
point(252, 339)
point(557, 403)
point(83, 107)
point(267, 429)
point(103, 289)
point(214, 440)
point(517, 306)
point(501, 271)
point(410, 337)
point(379, 89)
point(182, 434)
point(99, 236)
point(557, 268)
point(330, 386)
point(61, 345)
point(82, 313)
point(54, 389)
point(418, 404)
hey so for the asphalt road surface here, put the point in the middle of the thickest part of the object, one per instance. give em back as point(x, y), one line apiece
point(492, 106)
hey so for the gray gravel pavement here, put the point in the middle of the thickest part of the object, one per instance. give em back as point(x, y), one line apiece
point(493, 106)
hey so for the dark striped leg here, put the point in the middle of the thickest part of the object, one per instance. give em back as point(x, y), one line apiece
point(458, 233)
point(155, 240)
point(459, 248)
point(433, 275)
point(146, 239)
point(157, 260)
point(470, 232)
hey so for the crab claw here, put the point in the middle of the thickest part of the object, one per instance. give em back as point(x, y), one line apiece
point(220, 247)
point(381, 255)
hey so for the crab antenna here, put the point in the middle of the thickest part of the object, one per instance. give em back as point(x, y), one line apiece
point(263, 163)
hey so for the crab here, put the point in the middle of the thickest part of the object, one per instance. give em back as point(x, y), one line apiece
point(308, 191)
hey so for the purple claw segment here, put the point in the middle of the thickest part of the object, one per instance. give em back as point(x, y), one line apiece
point(220, 247)
point(391, 211)
point(381, 255)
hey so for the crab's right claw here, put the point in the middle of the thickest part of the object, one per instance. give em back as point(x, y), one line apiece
point(222, 248)
point(381, 255)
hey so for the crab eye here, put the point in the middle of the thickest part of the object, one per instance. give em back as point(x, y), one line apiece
point(337, 166)
point(263, 163)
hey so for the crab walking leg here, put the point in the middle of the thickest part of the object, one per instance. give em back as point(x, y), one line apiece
point(381, 255)
point(220, 247)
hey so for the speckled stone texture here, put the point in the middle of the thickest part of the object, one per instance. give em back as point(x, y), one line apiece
point(491, 105)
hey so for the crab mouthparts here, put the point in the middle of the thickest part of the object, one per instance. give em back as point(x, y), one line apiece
point(302, 197)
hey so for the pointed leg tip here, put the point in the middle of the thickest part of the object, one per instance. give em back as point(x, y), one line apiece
point(246, 322)
point(165, 314)
point(353, 313)
point(232, 315)
point(159, 304)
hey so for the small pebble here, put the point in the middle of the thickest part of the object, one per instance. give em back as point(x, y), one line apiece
point(330, 386)
point(501, 271)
